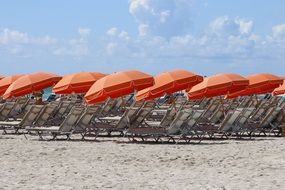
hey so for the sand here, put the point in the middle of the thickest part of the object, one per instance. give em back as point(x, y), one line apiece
point(112, 164)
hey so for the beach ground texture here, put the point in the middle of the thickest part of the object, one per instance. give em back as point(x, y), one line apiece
point(114, 163)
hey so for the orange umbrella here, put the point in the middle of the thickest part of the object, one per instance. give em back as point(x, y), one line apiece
point(259, 84)
point(118, 84)
point(31, 83)
point(280, 90)
point(6, 82)
point(218, 85)
point(77, 83)
point(168, 83)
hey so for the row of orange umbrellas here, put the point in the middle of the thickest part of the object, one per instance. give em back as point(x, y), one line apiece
point(234, 85)
point(99, 87)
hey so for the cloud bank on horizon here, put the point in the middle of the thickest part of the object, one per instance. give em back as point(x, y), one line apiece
point(165, 40)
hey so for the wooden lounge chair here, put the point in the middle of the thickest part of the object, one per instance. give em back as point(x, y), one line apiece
point(263, 126)
point(46, 113)
point(27, 120)
point(20, 108)
point(61, 112)
point(108, 106)
point(133, 116)
point(84, 124)
point(235, 118)
point(65, 128)
point(159, 133)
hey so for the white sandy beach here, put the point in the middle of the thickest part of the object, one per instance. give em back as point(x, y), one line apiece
point(230, 164)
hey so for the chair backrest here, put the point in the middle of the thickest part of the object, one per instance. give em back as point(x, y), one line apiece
point(86, 118)
point(169, 116)
point(244, 116)
point(243, 101)
point(270, 116)
point(140, 116)
point(6, 110)
point(181, 117)
point(71, 119)
point(211, 108)
point(19, 106)
point(216, 117)
point(46, 113)
point(259, 111)
point(119, 103)
point(108, 106)
point(69, 107)
point(194, 118)
point(230, 119)
point(62, 108)
point(57, 103)
point(127, 117)
point(31, 115)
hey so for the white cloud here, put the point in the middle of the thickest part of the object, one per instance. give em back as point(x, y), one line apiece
point(112, 31)
point(8, 36)
point(164, 41)
point(161, 17)
point(143, 30)
point(245, 26)
point(77, 47)
point(84, 31)
point(228, 26)
point(46, 40)
point(278, 31)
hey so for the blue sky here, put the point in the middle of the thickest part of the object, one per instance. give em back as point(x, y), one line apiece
point(203, 36)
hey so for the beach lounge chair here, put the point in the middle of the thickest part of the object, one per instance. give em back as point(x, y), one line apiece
point(84, 124)
point(133, 116)
point(169, 116)
point(19, 108)
point(64, 129)
point(234, 118)
point(27, 120)
point(159, 133)
point(108, 106)
point(61, 112)
point(263, 126)
point(46, 113)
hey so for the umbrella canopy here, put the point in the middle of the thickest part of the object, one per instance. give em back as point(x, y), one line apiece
point(118, 84)
point(259, 84)
point(31, 83)
point(218, 85)
point(6, 82)
point(280, 89)
point(77, 83)
point(168, 83)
